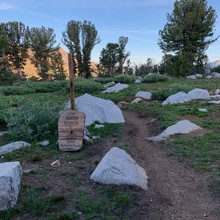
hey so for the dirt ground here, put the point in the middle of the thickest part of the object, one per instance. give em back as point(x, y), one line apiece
point(175, 191)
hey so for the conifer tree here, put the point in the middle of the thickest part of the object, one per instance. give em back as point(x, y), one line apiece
point(188, 33)
point(80, 38)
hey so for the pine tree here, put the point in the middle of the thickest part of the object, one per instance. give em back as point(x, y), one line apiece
point(80, 38)
point(42, 42)
point(188, 34)
point(16, 35)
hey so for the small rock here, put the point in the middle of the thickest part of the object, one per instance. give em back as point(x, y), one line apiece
point(215, 102)
point(137, 81)
point(144, 95)
point(3, 133)
point(116, 88)
point(13, 146)
point(202, 109)
point(29, 171)
point(136, 100)
point(56, 163)
point(209, 77)
point(217, 91)
point(99, 126)
point(43, 143)
point(109, 84)
point(95, 137)
point(191, 77)
point(121, 104)
point(198, 75)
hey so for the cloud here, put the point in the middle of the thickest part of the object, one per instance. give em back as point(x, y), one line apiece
point(5, 6)
point(123, 4)
point(142, 40)
point(153, 31)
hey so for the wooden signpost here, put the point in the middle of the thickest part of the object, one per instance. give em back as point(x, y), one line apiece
point(71, 124)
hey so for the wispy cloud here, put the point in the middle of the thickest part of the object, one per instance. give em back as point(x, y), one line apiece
point(5, 6)
point(153, 31)
point(123, 4)
point(142, 40)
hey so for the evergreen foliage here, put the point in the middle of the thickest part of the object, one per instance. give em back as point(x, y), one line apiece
point(188, 34)
point(42, 42)
point(80, 38)
point(113, 57)
point(14, 52)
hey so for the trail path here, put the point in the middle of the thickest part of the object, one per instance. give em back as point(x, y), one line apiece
point(175, 192)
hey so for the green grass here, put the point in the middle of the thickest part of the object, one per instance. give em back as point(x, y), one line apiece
point(111, 200)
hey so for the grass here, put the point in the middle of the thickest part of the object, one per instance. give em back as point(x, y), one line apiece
point(112, 200)
point(40, 200)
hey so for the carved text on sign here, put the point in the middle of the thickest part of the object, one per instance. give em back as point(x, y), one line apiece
point(71, 129)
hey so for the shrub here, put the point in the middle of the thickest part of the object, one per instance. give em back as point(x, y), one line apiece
point(125, 78)
point(16, 90)
point(155, 77)
point(32, 121)
point(103, 80)
point(164, 93)
point(86, 86)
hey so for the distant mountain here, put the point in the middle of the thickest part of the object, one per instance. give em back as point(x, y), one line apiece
point(214, 64)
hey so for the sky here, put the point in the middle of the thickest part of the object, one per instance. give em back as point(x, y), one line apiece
point(139, 20)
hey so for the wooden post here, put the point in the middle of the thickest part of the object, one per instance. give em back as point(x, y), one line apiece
point(71, 124)
point(71, 76)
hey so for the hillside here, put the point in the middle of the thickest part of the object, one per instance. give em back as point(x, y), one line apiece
point(30, 70)
point(214, 64)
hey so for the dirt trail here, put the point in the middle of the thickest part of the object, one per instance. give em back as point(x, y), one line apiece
point(175, 192)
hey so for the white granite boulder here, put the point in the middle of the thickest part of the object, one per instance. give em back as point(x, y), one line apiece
point(191, 77)
point(182, 97)
point(117, 87)
point(209, 77)
point(217, 91)
point(214, 102)
point(3, 133)
point(198, 94)
point(13, 146)
point(179, 97)
point(181, 127)
point(136, 100)
point(109, 84)
point(43, 143)
point(10, 180)
point(198, 75)
point(144, 95)
point(97, 109)
point(117, 167)
point(137, 81)
point(216, 75)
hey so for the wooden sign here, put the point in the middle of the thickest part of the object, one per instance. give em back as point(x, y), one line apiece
point(71, 127)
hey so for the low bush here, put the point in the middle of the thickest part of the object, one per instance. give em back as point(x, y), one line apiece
point(155, 77)
point(87, 86)
point(103, 80)
point(33, 121)
point(164, 93)
point(124, 78)
point(16, 90)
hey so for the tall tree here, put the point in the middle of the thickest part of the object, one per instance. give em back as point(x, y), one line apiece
point(109, 57)
point(42, 42)
point(3, 49)
point(57, 65)
point(123, 55)
point(188, 34)
point(80, 38)
point(15, 33)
